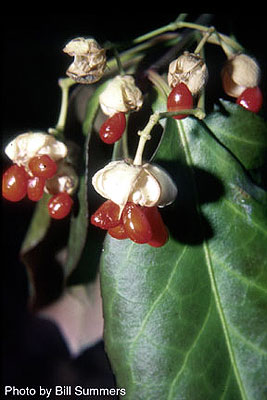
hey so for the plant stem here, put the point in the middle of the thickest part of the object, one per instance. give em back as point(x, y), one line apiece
point(118, 61)
point(169, 27)
point(144, 136)
point(153, 120)
point(64, 84)
point(212, 36)
point(204, 40)
point(196, 112)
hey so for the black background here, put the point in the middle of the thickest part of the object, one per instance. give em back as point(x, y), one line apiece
point(32, 61)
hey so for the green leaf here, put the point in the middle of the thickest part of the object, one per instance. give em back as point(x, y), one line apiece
point(78, 235)
point(38, 227)
point(241, 131)
point(188, 320)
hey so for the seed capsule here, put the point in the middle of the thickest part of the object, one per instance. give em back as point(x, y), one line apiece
point(121, 95)
point(29, 145)
point(239, 73)
point(146, 185)
point(89, 60)
point(189, 69)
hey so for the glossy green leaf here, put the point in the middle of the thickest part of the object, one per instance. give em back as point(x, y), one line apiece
point(188, 320)
point(38, 227)
point(241, 131)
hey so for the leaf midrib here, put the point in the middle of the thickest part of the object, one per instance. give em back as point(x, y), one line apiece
point(209, 263)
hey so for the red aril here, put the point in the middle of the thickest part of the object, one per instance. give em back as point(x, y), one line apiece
point(107, 215)
point(118, 232)
point(43, 166)
point(136, 224)
point(59, 206)
point(35, 188)
point(251, 99)
point(159, 231)
point(180, 98)
point(112, 129)
point(14, 183)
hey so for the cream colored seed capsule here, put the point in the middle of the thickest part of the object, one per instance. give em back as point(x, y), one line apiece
point(189, 69)
point(121, 95)
point(239, 73)
point(147, 185)
point(89, 60)
point(31, 144)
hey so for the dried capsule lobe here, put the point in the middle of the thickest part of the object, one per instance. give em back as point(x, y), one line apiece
point(31, 144)
point(147, 185)
point(121, 95)
point(65, 180)
point(89, 60)
point(190, 69)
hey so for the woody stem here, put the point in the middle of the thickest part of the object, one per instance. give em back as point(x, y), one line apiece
point(144, 136)
point(64, 84)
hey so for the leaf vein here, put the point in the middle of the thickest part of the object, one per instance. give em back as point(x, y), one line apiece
point(156, 302)
point(247, 341)
point(189, 352)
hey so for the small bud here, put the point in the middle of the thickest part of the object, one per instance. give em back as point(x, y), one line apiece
point(239, 73)
point(28, 145)
point(89, 60)
point(189, 69)
point(121, 95)
point(147, 185)
point(65, 180)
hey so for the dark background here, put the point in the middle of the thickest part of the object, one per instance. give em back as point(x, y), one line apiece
point(32, 61)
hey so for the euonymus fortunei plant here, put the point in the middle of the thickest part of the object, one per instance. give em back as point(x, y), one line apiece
point(167, 201)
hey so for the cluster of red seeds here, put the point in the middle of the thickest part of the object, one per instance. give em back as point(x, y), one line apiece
point(140, 224)
point(17, 183)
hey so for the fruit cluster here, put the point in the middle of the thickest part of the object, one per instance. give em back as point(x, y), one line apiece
point(133, 190)
point(140, 224)
point(240, 77)
point(18, 183)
